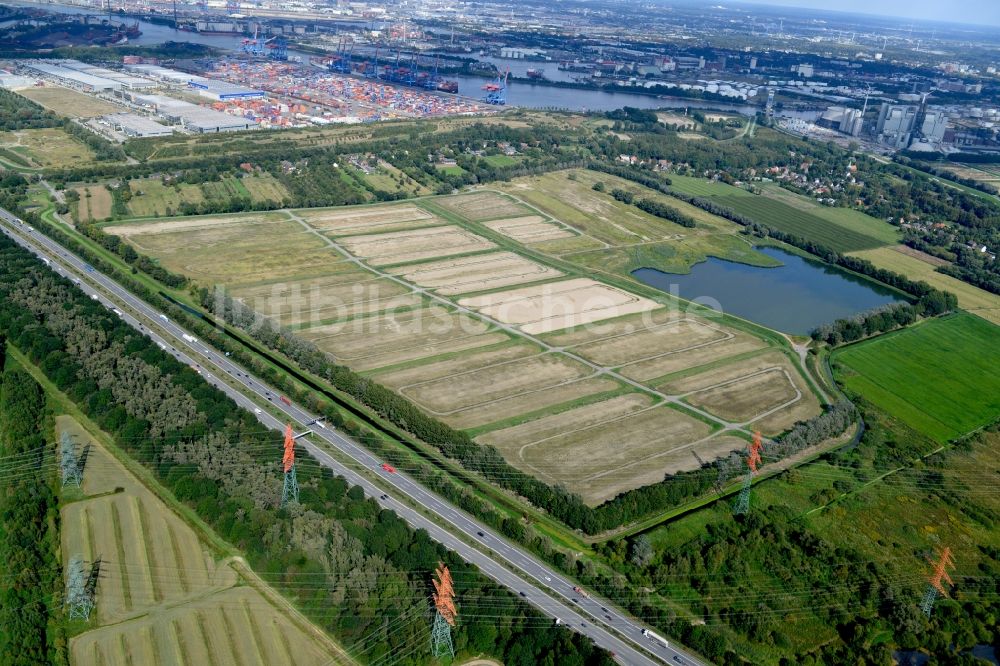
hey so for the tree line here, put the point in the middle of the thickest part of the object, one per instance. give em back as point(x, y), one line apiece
point(30, 579)
point(215, 457)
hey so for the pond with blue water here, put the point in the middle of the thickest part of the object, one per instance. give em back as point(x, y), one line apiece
point(794, 298)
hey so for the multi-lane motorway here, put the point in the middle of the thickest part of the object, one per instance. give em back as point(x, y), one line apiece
point(506, 563)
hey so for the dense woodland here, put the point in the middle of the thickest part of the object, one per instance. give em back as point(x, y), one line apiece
point(216, 458)
point(30, 579)
point(18, 113)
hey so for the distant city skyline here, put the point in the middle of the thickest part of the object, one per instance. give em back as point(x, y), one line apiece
point(975, 12)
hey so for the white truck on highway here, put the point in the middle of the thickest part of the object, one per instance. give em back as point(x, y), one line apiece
point(189, 338)
point(656, 638)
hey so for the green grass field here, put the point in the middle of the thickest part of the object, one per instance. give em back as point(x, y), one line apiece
point(779, 215)
point(938, 377)
point(500, 160)
point(699, 187)
point(841, 229)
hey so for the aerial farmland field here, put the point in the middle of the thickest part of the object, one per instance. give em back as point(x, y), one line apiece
point(163, 596)
point(453, 303)
point(932, 376)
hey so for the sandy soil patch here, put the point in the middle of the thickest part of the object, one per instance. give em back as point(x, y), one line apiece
point(529, 229)
point(559, 305)
point(477, 273)
point(600, 461)
point(187, 224)
point(368, 220)
point(404, 246)
point(674, 337)
point(482, 206)
point(292, 303)
point(378, 341)
point(654, 368)
point(525, 403)
point(501, 380)
point(459, 364)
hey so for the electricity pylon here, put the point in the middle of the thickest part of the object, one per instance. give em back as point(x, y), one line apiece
point(69, 462)
point(290, 491)
point(444, 617)
point(742, 503)
point(79, 601)
point(936, 588)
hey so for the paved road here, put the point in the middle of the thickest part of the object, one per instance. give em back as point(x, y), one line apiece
point(540, 585)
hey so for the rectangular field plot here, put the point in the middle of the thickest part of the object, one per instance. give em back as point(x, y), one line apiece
point(939, 377)
point(367, 219)
point(602, 449)
point(764, 391)
point(378, 341)
point(653, 341)
point(226, 250)
point(230, 628)
point(666, 363)
point(139, 537)
point(329, 299)
point(399, 247)
point(482, 206)
point(504, 379)
point(558, 305)
point(529, 229)
point(480, 272)
point(473, 360)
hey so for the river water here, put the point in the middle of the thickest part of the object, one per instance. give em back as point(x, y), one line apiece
point(518, 93)
point(795, 297)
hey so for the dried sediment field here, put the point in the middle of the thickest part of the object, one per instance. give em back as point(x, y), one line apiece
point(414, 245)
point(618, 445)
point(480, 206)
point(368, 219)
point(480, 272)
point(652, 340)
point(529, 229)
point(231, 250)
point(558, 305)
point(763, 391)
point(317, 301)
point(651, 369)
point(494, 382)
point(472, 360)
point(377, 341)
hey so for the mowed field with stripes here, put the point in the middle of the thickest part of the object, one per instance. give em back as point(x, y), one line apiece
point(163, 597)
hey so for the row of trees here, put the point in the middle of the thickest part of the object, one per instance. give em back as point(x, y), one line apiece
point(651, 206)
point(368, 571)
point(30, 580)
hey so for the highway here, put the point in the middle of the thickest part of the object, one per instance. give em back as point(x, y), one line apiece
point(537, 583)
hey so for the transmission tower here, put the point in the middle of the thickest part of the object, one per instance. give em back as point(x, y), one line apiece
point(70, 463)
point(78, 599)
point(742, 503)
point(936, 588)
point(290, 492)
point(444, 617)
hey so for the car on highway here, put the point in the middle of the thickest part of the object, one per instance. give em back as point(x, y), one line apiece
point(257, 410)
point(389, 468)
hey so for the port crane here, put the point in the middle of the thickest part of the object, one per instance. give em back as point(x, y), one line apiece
point(496, 91)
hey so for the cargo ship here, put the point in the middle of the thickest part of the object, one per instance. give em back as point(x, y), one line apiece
point(535, 73)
